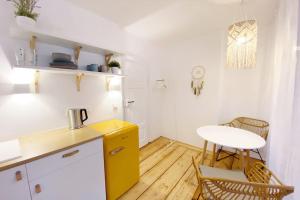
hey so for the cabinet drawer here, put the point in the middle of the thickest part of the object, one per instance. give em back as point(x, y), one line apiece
point(14, 184)
point(51, 163)
point(80, 180)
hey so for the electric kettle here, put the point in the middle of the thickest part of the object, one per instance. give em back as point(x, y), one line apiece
point(76, 117)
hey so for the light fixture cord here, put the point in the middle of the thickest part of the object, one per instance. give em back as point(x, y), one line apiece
point(244, 15)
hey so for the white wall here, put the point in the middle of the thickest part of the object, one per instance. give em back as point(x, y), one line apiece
point(182, 111)
point(29, 112)
point(227, 93)
point(246, 92)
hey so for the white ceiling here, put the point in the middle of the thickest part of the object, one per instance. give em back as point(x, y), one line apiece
point(173, 19)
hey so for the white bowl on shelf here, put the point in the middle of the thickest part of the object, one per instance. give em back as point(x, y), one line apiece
point(25, 22)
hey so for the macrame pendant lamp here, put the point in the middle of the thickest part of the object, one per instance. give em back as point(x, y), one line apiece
point(242, 44)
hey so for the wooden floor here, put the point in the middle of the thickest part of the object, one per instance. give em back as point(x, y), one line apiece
point(166, 171)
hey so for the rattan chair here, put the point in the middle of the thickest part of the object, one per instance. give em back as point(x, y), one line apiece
point(257, 126)
point(257, 183)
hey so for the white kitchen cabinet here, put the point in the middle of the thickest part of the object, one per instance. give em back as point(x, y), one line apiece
point(77, 174)
point(14, 184)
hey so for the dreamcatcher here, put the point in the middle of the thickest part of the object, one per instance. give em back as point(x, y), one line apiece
point(197, 83)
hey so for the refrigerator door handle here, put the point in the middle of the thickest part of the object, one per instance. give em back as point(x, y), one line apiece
point(116, 150)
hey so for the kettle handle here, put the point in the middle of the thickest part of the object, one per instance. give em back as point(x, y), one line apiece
point(81, 115)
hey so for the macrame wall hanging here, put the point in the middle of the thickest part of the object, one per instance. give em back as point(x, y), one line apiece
point(242, 44)
point(197, 83)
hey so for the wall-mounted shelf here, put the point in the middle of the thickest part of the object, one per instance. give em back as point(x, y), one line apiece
point(79, 74)
point(67, 71)
point(34, 34)
point(26, 33)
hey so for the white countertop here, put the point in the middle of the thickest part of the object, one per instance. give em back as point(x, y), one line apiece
point(9, 150)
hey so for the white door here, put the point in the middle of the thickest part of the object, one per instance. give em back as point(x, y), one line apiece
point(135, 96)
point(14, 184)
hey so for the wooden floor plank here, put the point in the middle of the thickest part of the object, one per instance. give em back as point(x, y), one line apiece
point(152, 175)
point(164, 185)
point(152, 147)
point(190, 146)
point(186, 187)
point(167, 173)
point(156, 157)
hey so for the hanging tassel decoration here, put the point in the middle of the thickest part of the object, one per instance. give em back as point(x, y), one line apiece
point(197, 82)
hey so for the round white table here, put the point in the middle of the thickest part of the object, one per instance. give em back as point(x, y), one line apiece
point(230, 137)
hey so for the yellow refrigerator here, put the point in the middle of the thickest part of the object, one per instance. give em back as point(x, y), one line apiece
point(121, 156)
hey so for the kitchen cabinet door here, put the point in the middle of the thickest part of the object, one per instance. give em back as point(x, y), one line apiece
point(81, 180)
point(14, 184)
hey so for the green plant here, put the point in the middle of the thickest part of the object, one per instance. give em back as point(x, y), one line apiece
point(114, 64)
point(25, 8)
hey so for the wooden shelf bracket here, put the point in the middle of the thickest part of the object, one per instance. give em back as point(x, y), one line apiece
point(32, 42)
point(77, 53)
point(78, 80)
